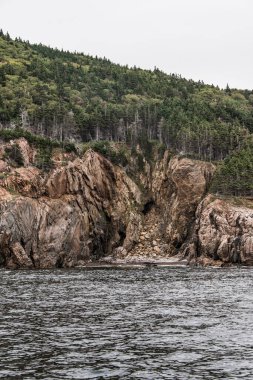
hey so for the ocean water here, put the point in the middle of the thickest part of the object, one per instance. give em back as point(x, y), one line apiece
point(158, 323)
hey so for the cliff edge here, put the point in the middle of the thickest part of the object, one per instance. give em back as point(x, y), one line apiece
point(87, 209)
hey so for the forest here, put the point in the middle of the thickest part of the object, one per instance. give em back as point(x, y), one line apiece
point(73, 97)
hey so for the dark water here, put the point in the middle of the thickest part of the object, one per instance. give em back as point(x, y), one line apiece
point(137, 324)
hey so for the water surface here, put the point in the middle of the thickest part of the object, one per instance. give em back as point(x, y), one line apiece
point(161, 323)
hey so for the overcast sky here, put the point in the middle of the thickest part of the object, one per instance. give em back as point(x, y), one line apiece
point(210, 40)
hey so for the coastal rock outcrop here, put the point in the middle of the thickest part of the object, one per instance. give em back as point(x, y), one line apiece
point(174, 188)
point(80, 212)
point(89, 209)
point(223, 234)
point(178, 187)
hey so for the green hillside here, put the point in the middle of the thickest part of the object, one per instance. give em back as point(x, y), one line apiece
point(75, 97)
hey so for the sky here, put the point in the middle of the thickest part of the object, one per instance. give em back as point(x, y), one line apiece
point(209, 40)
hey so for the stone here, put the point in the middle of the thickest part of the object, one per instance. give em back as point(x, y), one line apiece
point(223, 233)
point(73, 214)
point(3, 166)
point(179, 185)
point(89, 209)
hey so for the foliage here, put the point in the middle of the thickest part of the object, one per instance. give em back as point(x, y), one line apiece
point(13, 153)
point(52, 97)
point(235, 174)
point(107, 149)
point(35, 140)
point(71, 96)
point(44, 158)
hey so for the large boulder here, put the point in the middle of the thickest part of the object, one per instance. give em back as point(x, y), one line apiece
point(178, 185)
point(223, 232)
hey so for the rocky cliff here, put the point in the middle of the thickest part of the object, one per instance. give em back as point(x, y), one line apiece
point(223, 234)
point(87, 209)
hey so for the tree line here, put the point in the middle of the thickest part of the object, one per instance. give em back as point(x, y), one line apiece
point(76, 97)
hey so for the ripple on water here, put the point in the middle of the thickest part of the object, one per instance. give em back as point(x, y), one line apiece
point(162, 323)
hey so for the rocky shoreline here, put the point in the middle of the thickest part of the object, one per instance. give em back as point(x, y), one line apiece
point(87, 210)
point(134, 265)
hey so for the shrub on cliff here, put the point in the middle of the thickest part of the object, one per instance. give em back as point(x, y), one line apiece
point(43, 158)
point(35, 140)
point(13, 153)
point(234, 175)
point(116, 155)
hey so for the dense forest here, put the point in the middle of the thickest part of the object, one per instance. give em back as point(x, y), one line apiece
point(72, 97)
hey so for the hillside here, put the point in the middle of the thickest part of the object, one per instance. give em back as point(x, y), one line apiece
point(104, 162)
point(87, 209)
point(75, 97)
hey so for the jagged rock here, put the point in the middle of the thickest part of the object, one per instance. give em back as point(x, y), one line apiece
point(133, 231)
point(91, 209)
point(28, 153)
point(25, 181)
point(178, 186)
point(120, 253)
point(223, 233)
point(19, 257)
point(3, 166)
point(4, 194)
point(81, 213)
point(208, 262)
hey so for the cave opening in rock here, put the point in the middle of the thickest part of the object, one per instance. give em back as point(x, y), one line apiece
point(148, 206)
point(122, 235)
point(59, 262)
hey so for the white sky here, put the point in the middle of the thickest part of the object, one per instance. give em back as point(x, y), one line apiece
point(210, 40)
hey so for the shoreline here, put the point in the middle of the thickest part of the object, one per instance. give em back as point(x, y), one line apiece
point(134, 265)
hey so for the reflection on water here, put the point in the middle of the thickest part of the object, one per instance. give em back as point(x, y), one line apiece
point(138, 324)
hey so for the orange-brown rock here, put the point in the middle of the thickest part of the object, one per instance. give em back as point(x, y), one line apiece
point(3, 166)
point(89, 209)
point(25, 181)
point(174, 189)
point(223, 232)
point(178, 185)
point(82, 212)
point(28, 153)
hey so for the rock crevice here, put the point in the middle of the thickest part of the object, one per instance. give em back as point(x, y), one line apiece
point(92, 210)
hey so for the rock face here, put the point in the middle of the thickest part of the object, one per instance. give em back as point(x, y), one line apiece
point(223, 234)
point(80, 212)
point(176, 187)
point(90, 209)
point(178, 191)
